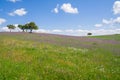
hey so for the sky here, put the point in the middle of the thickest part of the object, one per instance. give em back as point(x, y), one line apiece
point(68, 17)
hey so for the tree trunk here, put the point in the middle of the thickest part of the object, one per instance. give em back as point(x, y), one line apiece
point(30, 30)
point(23, 30)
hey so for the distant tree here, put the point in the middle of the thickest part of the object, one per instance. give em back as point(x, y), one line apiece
point(32, 26)
point(11, 27)
point(89, 34)
point(22, 27)
point(26, 27)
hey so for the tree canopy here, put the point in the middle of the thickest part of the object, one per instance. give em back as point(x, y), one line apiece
point(89, 33)
point(11, 27)
point(32, 26)
point(22, 27)
point(28, 26)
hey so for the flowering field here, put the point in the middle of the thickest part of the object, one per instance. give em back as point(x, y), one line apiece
point(25, 56)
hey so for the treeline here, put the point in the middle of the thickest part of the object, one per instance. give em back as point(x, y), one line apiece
point(28, 26)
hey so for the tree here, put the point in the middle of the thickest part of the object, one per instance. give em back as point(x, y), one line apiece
point(26, 27)
point(11, 27)
point(32, 26)
point(22, 27)
point(89, 34)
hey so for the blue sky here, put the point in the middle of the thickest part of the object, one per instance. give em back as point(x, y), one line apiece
point(71, 17)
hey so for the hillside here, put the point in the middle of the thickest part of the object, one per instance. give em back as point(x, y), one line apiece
point(109, 37)
point(25, 56)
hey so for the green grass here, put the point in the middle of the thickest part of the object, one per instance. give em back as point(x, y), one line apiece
point(109, 37)
point(22, 59)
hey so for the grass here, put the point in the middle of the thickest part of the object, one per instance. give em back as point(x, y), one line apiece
point(109, 37)
point(25, 57)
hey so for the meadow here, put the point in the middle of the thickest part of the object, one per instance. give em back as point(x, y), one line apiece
point(25, 56)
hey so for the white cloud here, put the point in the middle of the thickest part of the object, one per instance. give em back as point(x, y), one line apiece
point(55, 10)
point(48, 31)
point(69, 31)
point(117, 20)
point(14, 1)
point(67, 7)
point(80, 32)
point(111, 21)
point(72, 32)
point(16, 25)
point(4, 29)
point(19, 12)
point(98, 25)
point(104, 21)
point(56, 30)
point(41, 31)
point(116, 7)
point(2, 21)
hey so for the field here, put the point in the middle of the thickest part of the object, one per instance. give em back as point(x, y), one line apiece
point(25, 56)
point(109, 37)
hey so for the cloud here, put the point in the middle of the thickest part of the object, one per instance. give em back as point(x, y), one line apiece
point(72, 32)
point(80, 32)
point(69, 31)
point(41, 31)
point(116, 7)
point(104, 21)
point(67, 7)
point(117, 20)
point(98, 25)
point(2, 21)
point(5, 29)
point(48, 31)
point(14, 1)
point(19, 12)
point(55, 10)
point(56, 31)
point(111, 21)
